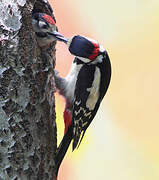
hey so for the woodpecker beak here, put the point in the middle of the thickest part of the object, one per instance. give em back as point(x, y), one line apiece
point(58, 36)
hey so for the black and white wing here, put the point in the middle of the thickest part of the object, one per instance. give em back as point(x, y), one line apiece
point(86, 100)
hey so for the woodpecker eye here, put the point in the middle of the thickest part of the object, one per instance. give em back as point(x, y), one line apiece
point(43, 25)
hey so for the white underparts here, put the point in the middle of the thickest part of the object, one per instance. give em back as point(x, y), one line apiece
point(71, 80)
point(94, 90)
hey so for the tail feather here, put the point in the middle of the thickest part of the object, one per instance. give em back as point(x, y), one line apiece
point(63, 147)
point(76, 143)
point(81, 138)
point(76, 137)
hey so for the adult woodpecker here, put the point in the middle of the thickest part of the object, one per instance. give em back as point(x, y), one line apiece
point(85, 85)
point(83, 89)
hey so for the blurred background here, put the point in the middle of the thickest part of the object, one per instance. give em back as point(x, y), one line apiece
point(122, 143)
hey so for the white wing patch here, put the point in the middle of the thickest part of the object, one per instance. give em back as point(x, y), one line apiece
point(94, 90)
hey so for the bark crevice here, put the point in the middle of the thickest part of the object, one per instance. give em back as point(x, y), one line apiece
point(27, 104)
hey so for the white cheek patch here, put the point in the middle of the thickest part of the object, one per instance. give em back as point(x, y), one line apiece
point(94, 90)
point(41, 24)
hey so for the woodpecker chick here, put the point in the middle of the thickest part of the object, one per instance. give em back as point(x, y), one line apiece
point(83, 89)
point(43, 26)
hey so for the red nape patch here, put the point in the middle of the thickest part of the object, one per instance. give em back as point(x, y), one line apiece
point(48, 19)
point(95, 51)
point(67, 119)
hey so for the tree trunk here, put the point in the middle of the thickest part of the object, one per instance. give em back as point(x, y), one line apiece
point(27, 110)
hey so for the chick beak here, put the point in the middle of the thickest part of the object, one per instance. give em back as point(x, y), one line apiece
point(58, 36)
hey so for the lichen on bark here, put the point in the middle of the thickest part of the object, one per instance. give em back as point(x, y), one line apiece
point(27, 113)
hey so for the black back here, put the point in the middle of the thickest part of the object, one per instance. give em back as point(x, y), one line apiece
point(84, 82)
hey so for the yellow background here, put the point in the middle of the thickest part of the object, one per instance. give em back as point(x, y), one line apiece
point(122, 142)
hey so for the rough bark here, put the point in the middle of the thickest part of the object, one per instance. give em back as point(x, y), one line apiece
point(27, 113)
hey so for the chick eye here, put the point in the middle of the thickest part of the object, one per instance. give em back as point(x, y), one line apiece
point(43, 25)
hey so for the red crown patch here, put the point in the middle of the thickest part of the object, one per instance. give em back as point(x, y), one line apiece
point(48, 19)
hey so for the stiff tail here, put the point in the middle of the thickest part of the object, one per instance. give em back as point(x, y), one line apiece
point(62, 149)
point(81, 139)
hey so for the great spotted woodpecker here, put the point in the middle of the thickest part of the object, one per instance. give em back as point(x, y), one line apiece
point(85, 85)
point(43, 24)
point(83, 89)
point(45, 29)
